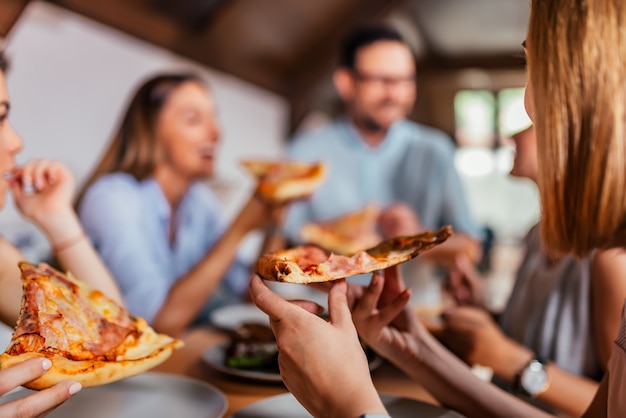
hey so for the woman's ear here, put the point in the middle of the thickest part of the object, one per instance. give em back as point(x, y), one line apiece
point(344, 83)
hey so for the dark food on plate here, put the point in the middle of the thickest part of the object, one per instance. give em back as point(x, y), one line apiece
point(253, 347)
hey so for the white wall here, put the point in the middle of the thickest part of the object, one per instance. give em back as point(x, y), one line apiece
point(70, 79)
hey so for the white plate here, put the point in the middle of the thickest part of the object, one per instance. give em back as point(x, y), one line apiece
point(215, 356)
point(286, 406)
point(150, 394)
point(232, 316)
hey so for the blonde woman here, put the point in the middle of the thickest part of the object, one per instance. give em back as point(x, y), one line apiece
point(157, 226)
point(576, 96)
point(43, 194)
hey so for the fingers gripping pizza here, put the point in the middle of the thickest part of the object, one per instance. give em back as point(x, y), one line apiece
point(311, 264)
point(282, 181)
point(88, 337)
point(347, 234)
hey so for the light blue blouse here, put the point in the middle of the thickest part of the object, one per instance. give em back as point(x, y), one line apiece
point(128, 222)
point(413, 164)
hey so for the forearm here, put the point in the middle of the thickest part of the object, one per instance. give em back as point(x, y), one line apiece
point(455, 246)
point(77, 255)
point(10, 283)
point(454, 385)
point(189, 294)
point(567, 392)
point(273, 239)
point(357, 401)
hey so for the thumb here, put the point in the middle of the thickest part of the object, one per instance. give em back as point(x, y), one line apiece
point(338, 304)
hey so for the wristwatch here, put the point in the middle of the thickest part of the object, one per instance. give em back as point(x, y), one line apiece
point(533, 379)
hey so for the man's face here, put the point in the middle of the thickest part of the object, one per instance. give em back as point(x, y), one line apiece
point(382, 87)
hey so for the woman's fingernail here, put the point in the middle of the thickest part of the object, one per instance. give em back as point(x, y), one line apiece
point(75, 388)
point(28, 188)
point(46, 364)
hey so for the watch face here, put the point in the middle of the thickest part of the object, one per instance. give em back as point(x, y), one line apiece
point(534, 378)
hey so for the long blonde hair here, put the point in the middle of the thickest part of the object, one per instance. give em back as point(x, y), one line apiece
point(578, 74)
point(134, 148)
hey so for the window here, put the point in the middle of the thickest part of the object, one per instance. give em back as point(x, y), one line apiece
point(487, 119)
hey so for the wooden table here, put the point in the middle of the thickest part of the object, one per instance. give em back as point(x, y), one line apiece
point(240, 393)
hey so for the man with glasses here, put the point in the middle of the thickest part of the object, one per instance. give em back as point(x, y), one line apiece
point(376, 155)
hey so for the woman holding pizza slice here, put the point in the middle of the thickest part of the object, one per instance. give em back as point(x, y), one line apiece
point(576, 96)
point(42, 191)
point(157, 226)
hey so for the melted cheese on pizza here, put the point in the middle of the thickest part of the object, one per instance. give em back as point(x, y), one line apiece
point(62, 316)
point(314, 260)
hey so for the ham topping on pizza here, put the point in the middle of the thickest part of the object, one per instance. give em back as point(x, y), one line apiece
point(310, 264)
point(87, 336)
point(60, 317)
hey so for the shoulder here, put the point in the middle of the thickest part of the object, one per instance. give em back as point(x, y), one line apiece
point(112, 189)
point(315, 138)
point(422, 137)
point(9, 255)
point(609, 264)
point(114, 183)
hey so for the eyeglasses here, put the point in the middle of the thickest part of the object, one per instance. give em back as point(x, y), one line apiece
point(383, 80)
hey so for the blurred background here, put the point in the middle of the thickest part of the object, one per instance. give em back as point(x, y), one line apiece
point(269, 64)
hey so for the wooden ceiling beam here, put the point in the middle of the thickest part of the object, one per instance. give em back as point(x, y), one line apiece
point(139, 19)
point(10, 11)
point(438, 63)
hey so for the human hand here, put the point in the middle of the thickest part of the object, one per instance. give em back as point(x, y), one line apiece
point(322, 363)
point(259, 212)
point(464, 284)
point(37, 404)
point(398, 219)
point(384, 320)
point(472, 334)
point(43, 190)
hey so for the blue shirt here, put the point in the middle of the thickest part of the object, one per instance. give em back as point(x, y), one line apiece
point(128, 222)
point(413, 164)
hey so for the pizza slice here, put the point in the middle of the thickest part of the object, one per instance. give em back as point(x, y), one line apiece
point(311, 264)
point(88, 337)
point(346, 234)
point(283, 181)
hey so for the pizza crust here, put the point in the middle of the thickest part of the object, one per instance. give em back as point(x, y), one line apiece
point(88, 337)
point(89, 372)
point(309, 264)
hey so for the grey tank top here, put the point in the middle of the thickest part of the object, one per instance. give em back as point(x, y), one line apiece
point(549, 310)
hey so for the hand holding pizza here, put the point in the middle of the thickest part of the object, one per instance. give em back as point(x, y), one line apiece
point(383, 319)
point(399, 219)
point(322, 363)
point(38, 404)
